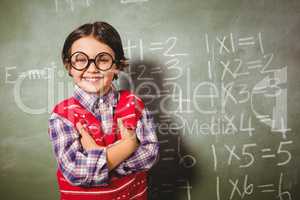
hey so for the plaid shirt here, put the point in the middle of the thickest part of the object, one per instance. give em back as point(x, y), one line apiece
point(90, 168)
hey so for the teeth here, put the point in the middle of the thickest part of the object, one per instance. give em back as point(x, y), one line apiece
point(91, 79)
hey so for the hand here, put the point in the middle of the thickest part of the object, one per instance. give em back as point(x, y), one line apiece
point(87, 142)
point(126, 134)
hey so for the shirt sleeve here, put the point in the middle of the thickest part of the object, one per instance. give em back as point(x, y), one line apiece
point(79, 167)
point(146, 154)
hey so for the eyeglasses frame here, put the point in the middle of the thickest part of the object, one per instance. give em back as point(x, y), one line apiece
point(114, 61)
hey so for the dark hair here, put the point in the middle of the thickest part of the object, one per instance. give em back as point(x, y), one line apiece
point(101, 31)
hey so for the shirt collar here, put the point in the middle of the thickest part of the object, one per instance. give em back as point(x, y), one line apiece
point(88, 100)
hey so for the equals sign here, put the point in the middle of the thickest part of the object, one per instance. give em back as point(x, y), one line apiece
point(156, 44)
point(156, 70)
point(266, 186)
point(169, 150)
point(163, 141)
point(269, 155)
point(168, 158)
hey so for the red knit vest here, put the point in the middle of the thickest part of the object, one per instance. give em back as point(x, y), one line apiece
point(133, 186)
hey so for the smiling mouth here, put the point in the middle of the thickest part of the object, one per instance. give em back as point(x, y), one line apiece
point(92, 79)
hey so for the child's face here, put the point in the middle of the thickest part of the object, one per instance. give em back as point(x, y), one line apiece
point(93, 80)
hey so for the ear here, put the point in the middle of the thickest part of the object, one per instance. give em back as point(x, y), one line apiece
point(68, 68)
point(116, 72)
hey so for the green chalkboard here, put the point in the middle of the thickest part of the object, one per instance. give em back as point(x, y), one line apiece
point(221, 78)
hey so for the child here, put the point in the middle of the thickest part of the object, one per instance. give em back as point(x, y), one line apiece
point(103, 139)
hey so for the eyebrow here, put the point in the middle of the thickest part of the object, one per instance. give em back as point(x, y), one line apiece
point(95, 55)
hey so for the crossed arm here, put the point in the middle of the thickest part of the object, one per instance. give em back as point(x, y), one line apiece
point(116, 153)
point(83, 162)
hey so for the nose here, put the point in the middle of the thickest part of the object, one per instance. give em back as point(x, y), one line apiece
point(92, 67)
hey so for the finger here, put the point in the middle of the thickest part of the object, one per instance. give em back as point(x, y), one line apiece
point(121, 127)
point(80, 128)
point(120, 124)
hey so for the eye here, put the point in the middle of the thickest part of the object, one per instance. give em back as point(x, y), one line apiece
point(104, 58)
point(80, 58)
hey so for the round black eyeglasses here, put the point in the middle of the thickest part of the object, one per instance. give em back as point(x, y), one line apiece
point(103, 61)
